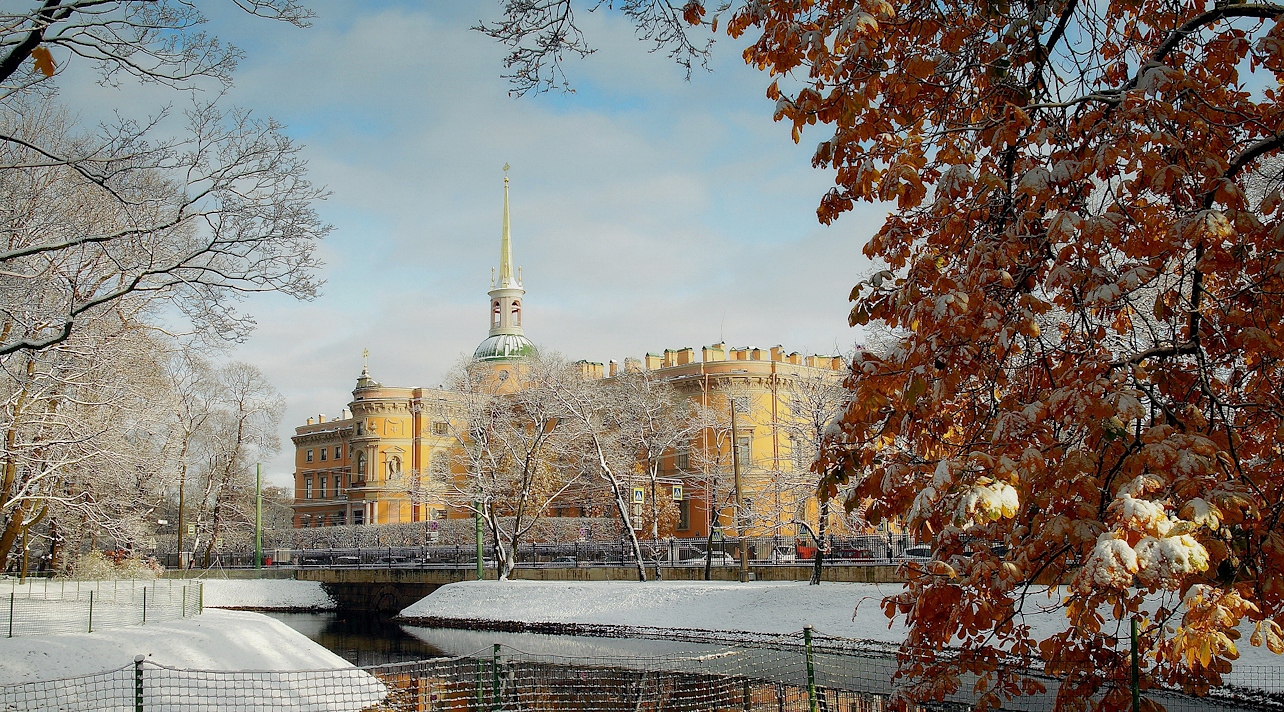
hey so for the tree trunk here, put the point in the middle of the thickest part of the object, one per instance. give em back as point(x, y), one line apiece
point(820, 542)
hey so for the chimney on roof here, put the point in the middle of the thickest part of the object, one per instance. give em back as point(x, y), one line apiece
point(653, 362)
point(777, 353)
point(685, 356)
point(311, 421)
point(613, 368)
point(321, 418)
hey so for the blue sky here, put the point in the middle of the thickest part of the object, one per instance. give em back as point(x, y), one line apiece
point(648, 212)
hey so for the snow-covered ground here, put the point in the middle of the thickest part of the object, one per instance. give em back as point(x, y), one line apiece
point(759, 607)
point(215, 640)
point(266, 594)
point(849, 610)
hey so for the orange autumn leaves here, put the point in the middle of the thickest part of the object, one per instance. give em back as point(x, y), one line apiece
point(1084, 270)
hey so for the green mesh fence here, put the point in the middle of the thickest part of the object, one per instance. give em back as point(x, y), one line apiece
point(43, 607)
point(780, 675)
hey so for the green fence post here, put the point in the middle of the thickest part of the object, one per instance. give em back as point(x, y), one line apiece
point(811, 671)
point(11, 614)
point(184, 615)
point(91, 610)
point(494, 669)
point(144, 605)
point(200, 597)
point(1136, 670)
point(138, 683)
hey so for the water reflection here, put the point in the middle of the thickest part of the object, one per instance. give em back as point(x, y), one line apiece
point(360, 637)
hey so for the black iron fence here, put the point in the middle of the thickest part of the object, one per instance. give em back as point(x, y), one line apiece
point(864, 550)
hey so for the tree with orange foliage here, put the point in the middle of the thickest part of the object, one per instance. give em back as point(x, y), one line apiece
point(1085, 276)
point(1084, 270)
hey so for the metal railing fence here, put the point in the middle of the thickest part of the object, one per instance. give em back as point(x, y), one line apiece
point(864, 550)
point(46, 606)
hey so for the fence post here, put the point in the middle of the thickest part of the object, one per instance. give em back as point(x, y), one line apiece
point(184, 602)
point(138, 683)
point(494, 669)
point(811, 671)
point(91, 610)
point(200, 597)
point(1136, 671)
point(11, 614)
point(144, 605)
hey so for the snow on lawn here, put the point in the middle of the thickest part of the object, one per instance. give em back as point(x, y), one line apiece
point(849, 610)
point(266, 594)
point(759, 607)
point(215, 640)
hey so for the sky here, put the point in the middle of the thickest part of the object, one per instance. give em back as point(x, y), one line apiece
point(648, 211)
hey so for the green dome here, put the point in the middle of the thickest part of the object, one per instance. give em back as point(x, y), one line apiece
point(504, 347)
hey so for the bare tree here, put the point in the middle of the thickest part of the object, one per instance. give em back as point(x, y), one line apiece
point(192, 222)
point(812, 401)
point(514, 444)
point(82, 450)
point(652, 420)
point(241, 431)
point(586, 407)
point(540, 34)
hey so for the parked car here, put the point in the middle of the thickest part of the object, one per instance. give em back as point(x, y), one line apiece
point(565, 561)
point(783, 555)
point(922, 552)
point(718, 558)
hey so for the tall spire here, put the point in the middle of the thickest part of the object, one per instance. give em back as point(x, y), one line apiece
point(506, 244)
point(506, 341)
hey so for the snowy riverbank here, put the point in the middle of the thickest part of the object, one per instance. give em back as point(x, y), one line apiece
point(759, 607)
point(215, 640)
point(266, 594)
point(849, 610)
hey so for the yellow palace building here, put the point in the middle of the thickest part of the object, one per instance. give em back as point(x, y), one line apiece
point(360, 468)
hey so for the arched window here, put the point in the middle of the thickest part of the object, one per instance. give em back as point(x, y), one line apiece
point(494, 314)
point(517, 312)
point(361, 465)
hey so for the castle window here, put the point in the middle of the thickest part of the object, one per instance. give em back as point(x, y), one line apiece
point(361, 465)
point(495, 313)
point(517, 312)
point(338, 452)
point(308, 458)
point(307, 488)
point(683, 460)
point(324, 481)
point(441, 428)
point(324, 451)
point(744, 453)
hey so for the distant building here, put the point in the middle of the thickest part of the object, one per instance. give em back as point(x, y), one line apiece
point(363, 467)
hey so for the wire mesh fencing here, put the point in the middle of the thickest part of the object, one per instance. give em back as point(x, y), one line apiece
point(785, 675)
point(42, 607)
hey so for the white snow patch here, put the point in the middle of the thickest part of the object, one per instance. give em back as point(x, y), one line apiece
point(266, 594)
point(840, 609)
point(215, 640)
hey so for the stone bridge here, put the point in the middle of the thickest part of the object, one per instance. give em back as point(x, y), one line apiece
point(394, 589)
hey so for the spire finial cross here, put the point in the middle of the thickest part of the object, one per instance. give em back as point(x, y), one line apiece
point(506, 166)
point(365, 360)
